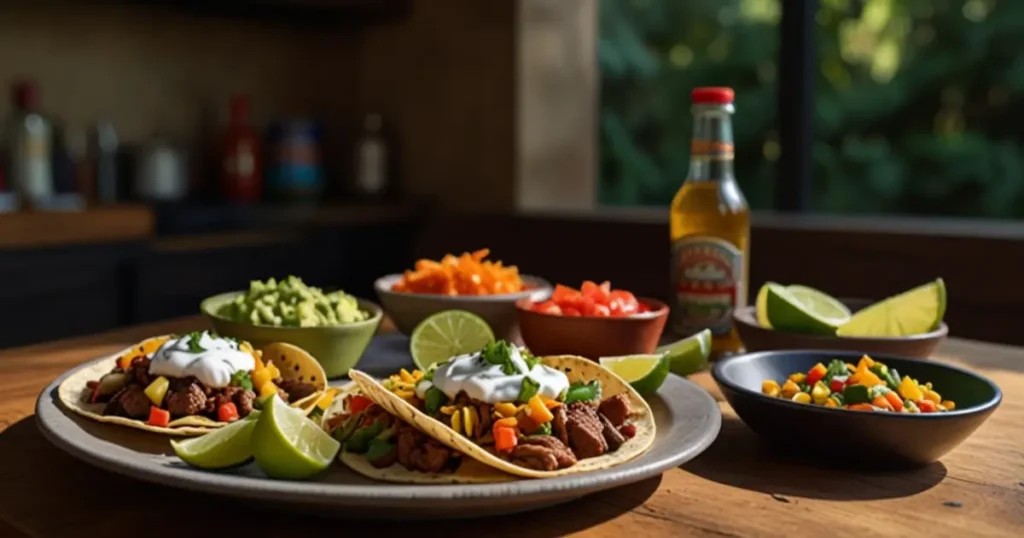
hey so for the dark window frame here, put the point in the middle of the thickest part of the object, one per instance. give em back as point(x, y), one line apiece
point(797, 71)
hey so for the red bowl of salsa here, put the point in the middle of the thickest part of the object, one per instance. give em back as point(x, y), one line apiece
point(593, 321)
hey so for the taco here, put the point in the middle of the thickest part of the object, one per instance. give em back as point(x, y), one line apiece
point(190, 384)
point(528, 416)
point(381, 446)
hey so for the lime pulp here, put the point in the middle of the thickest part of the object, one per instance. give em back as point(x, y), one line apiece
point(804, 310)
point(916, 311)
point(645, 373)
point(689, 355)
point(447, 334)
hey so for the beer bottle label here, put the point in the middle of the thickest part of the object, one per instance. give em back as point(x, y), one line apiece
point(707, 277)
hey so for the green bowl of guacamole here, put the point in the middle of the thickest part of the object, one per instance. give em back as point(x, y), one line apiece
point(334, 327)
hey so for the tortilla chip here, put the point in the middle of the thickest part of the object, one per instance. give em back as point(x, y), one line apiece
point(469, 472)
point(576, 369)
point(74, 392)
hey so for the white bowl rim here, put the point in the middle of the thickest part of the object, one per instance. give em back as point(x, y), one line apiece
point(384, 284)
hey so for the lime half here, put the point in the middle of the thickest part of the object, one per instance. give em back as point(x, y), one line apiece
point(761, 307)
point(912, 312)
point(804, 310)
point(689, 355)
point(645, 373)
point(286, 444)
point(447, 334)
point(223, 447)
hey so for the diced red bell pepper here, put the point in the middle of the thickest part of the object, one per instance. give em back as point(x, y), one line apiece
point(505, 439)
point(817, 373)
point(836, 385)
point(359, 403)
point(159, 417)
point(926, 406)
point(227, 412)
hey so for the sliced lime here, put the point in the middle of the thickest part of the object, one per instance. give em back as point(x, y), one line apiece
point(645, 373)
point(223, 447)
point(447, 334)
point(917, 311)
point(762, 306)
point(689, 355)
point(804, 310)
point(286, 444)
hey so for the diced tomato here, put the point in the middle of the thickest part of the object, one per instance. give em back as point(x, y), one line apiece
point(571, 312)
point(158, 417)
point(358, 403)
point(565, 294)
point(836, 385)
point(627, 303)
point(505, 439)
point(926, 406)
point(227, 412)
point(602, 311)
point(817, 373)
point(548, 307)
point(599, 294)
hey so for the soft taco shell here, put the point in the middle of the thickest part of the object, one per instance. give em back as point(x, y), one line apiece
point(576, 369)
point(72, 392)
point(470, 471)
point(295, 363)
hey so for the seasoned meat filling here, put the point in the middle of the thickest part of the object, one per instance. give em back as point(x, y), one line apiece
point(186, 401)
point(543, 453)
point(584, 428)
point(139, 371)
point(296, 390)
point(558, 427)
point(611, 435)
point(133, 402)
point(418, 452)
point(616, 408)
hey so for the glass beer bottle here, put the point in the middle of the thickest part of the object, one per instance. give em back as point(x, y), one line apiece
point(710, 229)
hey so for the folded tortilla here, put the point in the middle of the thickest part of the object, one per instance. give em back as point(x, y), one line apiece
point(293, 362)
point(576, 369)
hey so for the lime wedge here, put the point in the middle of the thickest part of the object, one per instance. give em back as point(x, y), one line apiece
point(447, 334)
point(286, 444)
point(689, 355)
point(645, 373)
point(917, 311)
point(762, 306)
point(223, 447)
point(805, 310)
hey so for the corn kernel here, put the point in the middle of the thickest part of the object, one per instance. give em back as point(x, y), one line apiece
point(851, 368)
point(802, 397)
point(831, 402)
point(505, 409)
point(457, 422)
point(771, 388)
point(948, 405)
point(933, 396)
point(406, 376)
point(798, 377)
point(820, 393)
point(417, 374)
point(448, 409)
point(789, 389)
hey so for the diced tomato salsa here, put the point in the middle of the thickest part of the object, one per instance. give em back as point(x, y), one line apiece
point(592, 299)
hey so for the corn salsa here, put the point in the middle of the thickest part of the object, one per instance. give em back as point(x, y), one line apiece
point(868, 386)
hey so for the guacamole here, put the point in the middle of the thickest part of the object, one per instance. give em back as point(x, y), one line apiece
point(291, 303)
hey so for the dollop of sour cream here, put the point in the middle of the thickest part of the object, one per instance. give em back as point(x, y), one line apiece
point(212, 360)
point(487, 382)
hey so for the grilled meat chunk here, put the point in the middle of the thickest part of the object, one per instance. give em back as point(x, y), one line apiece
point(617, 409)
point(133, 402)
point(296, 390)
point(611, 435)
point(186, 401)
point(558, 427)
point(584, 428)
point(533, 452)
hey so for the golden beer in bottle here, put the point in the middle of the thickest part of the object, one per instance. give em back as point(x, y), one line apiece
point(710, 229)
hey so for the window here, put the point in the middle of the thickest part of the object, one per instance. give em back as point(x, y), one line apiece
point(917, 107)
point(651, 53)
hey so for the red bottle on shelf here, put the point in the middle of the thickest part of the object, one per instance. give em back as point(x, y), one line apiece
point(242, 169)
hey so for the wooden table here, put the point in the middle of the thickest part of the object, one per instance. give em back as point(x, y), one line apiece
point(736, 488)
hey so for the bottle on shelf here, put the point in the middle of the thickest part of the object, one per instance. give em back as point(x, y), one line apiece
point(372, 173)
point(103, 159)
point(242, 168)
point(710, 229)
point(28, 136)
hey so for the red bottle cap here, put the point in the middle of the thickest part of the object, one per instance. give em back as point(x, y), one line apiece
point(239, 109)
point(25, 94)
point(712, 96)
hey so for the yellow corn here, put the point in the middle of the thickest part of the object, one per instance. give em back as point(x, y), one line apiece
point(798, 377)
point(470, 420)
point(932, 395)
point(831, 402)
point(417, 374)
point(457, 422)
point(405, 394)
point(820, 393)
point(510, 422)
point(268, 388)
point(325, 401)
point(789, 389)
point(948, 405)
point(771, 388)
point(802, 397)
point(851, 368)
point(448, 409)
point(406, 376)
point(505, 409)
point(259, 378)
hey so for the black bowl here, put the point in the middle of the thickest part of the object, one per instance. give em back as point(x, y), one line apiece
point(855, 438)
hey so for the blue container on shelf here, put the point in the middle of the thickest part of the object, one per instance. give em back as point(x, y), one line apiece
point(294, 169)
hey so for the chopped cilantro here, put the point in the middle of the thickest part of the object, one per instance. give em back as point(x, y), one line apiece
point(528, 389)
point(500, 352)
point(241, 379)
point(545, 429)
point(194, 338)
point(531, 361)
